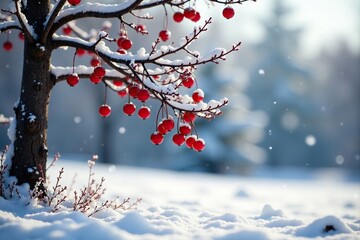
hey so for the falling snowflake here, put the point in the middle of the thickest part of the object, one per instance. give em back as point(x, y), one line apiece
point(310, 140)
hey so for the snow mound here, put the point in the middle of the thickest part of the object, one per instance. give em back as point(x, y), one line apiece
point(135, 223)
point(242, 194)
point(269, 212)
point(329, 225)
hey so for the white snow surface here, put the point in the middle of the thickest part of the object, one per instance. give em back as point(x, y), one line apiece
point(196, 206)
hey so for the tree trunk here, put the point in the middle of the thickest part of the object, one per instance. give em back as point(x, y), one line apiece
point(30, 146)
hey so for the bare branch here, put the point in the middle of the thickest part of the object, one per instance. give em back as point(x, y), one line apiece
point(23, 22)
point(60, 4)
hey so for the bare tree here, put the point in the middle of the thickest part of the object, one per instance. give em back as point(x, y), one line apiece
point(155, 72)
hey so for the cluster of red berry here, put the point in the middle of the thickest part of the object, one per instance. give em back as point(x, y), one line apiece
point(166, 125)
point(193, 15)
point(135, 90)
point(182, 136)
point(186, 120)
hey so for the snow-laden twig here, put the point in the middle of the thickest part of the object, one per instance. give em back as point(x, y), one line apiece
point(27, 29)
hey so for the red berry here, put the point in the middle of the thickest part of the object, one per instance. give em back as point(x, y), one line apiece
point(72, 80)
point(94, 62)
point(129, 108)
point(80, 51)
point(228, 12)
point(197, 17)
point(122, 93)
point(189, 13)
point(198, 145)
point(21, 36)
point(188, 82)
point(8, 46)
point(168, 124)
point(95, 79)
point(185, 129)
point(156, 138)
point(119, 40)
point(198, 95)
point(104, 110)
point(161, 128)
point(178, 17)
point(99, 71)
point(143, 95)
point(74, 2)
point(144, 112)
point(178, 139)
point(189, 117)
point(133, 91)
point(117, 83)
point(164, 35)
point(190, 141)
point(67, 30)
point(124, 43)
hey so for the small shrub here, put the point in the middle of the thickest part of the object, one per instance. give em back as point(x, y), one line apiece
point(88, 200)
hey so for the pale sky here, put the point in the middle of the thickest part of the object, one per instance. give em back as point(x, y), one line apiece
point(325, 22)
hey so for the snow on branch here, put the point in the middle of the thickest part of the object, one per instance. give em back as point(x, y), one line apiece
point(4, 120)
point(181, 3)
point(96, 10)
point(60, 73)
point(205, 110)
point(8, 25)
point(7, 22)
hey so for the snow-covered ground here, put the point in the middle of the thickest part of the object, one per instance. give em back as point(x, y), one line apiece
point(322, 205)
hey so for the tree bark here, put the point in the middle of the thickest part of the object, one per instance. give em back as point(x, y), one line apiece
point(31, 111)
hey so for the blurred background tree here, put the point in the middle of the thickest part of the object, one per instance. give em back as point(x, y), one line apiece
point(280, 86)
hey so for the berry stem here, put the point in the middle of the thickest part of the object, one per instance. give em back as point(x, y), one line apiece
point(105, 97)
point(128, 94)
point(73, 61)
point(193, 127)
point(157, 115)
point(122, 28)
point(178, 125)
point(166, 18)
